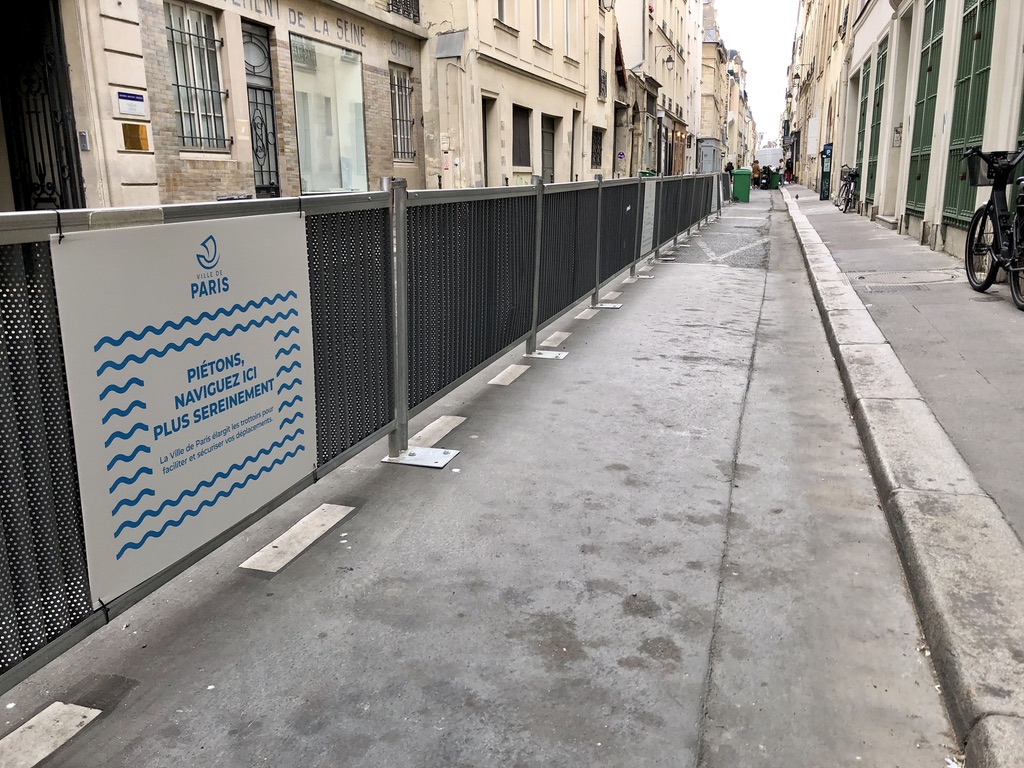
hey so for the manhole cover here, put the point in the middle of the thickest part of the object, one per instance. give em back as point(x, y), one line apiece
point(875, 280)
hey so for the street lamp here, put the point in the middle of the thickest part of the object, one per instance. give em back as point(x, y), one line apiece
point(670, 61)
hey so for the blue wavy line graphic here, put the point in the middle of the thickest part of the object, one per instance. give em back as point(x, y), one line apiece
point(150, 330)
point(139, 427)
point(123, 412)
point(285, 334)
point(291, 419)
point(129, 457)
point(132, 502)
point(209, 483)
point(291, 385)
point(289, 368)
point(289, 403)
point(130, 480)
point(191, 342)
point(209, 503)
point(283, 352)
point(133, 382)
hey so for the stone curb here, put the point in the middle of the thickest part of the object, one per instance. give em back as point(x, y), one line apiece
point(963, 562)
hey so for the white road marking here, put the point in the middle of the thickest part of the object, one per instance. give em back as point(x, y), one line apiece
point(297, 539)
point(611, 296)
point(509, 375)
point(44, 734)
point(431, 434)
point(586, 314)
point(556, 339)
point(746, 247)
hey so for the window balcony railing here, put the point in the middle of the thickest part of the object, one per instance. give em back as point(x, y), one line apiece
point(408, 8)
point(602, 84)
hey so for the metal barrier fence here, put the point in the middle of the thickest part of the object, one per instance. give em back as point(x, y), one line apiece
point(411, 294)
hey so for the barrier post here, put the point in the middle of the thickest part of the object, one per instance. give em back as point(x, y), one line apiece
point(639, 226)
point(531, 341)
point(398, 440)
point(679, 211)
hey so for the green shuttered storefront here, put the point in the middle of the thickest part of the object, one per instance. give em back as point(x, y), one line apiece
point(876, 121)
point(924, 107)
point(969, 107)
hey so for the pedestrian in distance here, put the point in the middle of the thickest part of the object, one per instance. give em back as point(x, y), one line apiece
point(755, 173)
point(729, 168)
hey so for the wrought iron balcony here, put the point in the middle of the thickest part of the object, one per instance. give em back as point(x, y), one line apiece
point(602, 84)
point(408, 8)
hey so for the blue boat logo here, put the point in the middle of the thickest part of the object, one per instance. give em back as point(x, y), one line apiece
point(209, 259)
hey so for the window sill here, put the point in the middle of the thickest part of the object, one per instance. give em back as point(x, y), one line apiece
point(571, 60)
point(506, 28)
point(542, 47)
point(206, 154)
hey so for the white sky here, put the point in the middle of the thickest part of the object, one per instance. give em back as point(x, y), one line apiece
point(762, 31)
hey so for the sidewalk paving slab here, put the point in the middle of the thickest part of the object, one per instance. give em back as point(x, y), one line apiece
point(962, 559)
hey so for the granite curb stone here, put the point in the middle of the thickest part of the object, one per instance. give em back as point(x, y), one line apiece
point(963, 563)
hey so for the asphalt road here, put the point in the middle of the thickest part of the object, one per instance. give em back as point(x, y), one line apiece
point(663, 550)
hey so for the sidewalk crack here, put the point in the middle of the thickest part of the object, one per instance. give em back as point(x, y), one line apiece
point(705, 702)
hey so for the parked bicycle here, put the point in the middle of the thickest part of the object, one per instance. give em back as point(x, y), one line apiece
point(848, 190)
point(995, 238)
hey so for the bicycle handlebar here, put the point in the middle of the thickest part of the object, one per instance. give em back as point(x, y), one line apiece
point(987, 156)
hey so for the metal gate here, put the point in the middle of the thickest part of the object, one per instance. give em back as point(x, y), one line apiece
point(260, 85)
point(39, 119)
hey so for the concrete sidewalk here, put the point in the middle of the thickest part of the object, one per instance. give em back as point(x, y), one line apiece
point(663, 550)
point(930, 369)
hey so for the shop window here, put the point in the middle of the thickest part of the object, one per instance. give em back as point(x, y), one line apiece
point(328, 86)
point(195, 76)
point(401, 113)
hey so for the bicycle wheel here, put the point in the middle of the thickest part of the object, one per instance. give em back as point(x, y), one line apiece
point(978, 257)
point(847, 199)
point(839, 197)
point(1016, 281)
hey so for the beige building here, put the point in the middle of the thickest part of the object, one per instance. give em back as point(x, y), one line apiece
point(816, 100)
point(713, 136)
point(175, 101)
point(662, 42)
point(923, 80)
point(741, 129)
point(517, 88)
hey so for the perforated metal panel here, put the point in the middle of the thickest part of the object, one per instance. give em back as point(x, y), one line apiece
point(618, 228)
point(568, 249)
point(669, 191)
point(470, 286)
point(43, 581)
point(350, 291)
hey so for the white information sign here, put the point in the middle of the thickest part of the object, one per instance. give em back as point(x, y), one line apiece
point(647, 231)
point(190, 370)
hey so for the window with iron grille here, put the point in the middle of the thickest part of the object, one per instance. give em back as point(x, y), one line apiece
point(970, 97)
point(408, 8)
point(195, 78)
point(401, 113)
point(924, 107)
point(876, 121)
point(596, 147)
point(520, 136)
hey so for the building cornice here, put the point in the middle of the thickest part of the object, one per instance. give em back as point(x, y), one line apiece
point(530, 73)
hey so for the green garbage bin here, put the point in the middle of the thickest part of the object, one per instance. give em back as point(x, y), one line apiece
point(741, 184)
point(776, 178)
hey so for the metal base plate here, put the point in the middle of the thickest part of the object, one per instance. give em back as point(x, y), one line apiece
point(545, 355)
point(606, 306)
point(434, 458)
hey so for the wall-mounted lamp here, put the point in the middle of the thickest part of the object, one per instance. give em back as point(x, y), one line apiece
point(670, 62)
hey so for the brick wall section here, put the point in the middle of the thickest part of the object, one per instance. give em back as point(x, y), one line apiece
point(183, 180)
point(194, 180)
